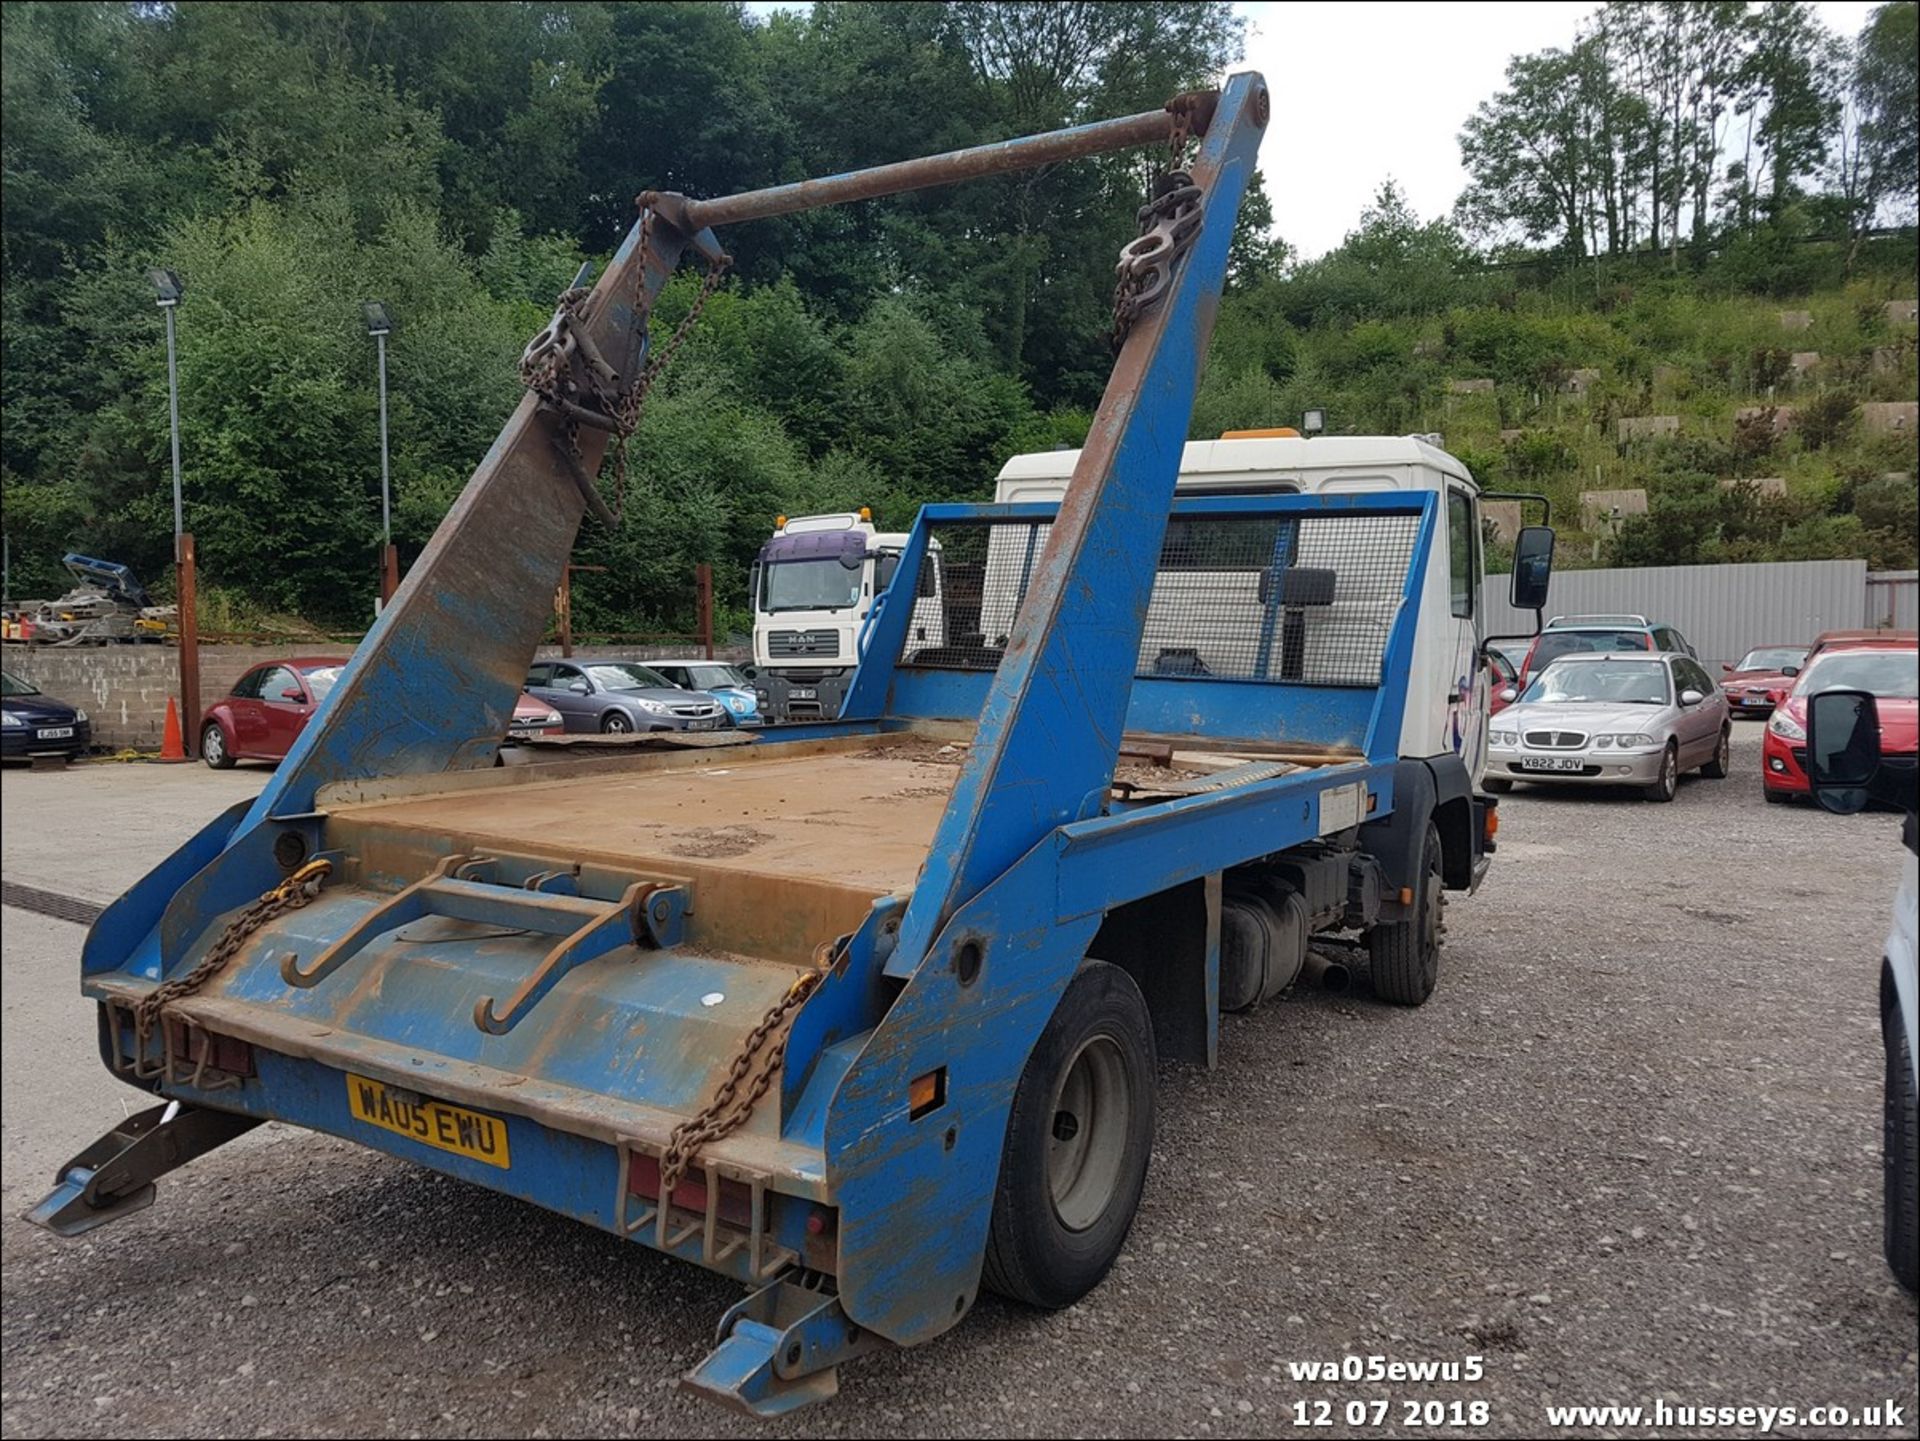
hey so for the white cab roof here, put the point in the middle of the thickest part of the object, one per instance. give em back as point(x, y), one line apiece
point(1222, 460)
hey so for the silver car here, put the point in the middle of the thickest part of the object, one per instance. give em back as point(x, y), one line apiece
point(1622, 718)
point(620, 696)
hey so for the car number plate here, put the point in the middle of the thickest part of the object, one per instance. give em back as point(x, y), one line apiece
point(804, 693)
point(433, 1123)
point(703, 725)
point(56, 733)
point(1553, 763)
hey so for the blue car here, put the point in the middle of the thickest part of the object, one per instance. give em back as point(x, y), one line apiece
point(39, 725)
point(725, 683)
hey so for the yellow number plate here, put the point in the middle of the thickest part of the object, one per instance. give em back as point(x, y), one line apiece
point(432, 1123)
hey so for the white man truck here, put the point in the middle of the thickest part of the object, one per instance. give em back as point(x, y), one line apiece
point(815, 584)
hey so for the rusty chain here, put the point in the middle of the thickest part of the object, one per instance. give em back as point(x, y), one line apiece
point(548, 368)
point(1169, 224)
point(291, 894)
point(729, 1108)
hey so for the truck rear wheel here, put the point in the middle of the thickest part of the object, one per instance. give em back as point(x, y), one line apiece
point(1077, 1144)
point(1405, 955)
point(1901, 1158)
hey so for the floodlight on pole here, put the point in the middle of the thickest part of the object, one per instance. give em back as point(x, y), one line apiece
point(167, 291)
point(1313, 422)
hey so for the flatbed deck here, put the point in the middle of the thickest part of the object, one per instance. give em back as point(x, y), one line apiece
point(785, 842)
point(863, 818)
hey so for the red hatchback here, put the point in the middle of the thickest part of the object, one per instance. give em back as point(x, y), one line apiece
point(266, 710)
point(1764, 675)
point(1891, 674)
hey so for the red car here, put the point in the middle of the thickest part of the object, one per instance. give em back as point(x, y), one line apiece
point(1762, 678)
point(1503, 684)
point(1889, 673)
point(534, 717)
point(266, 710)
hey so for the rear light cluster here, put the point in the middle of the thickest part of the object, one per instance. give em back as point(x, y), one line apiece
point(229, 1054)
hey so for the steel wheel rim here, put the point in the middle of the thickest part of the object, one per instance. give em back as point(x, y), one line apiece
point(1725, 753)
point(1091, 1115)
point(1668, 776)
point(617, 723)
point(212, 743)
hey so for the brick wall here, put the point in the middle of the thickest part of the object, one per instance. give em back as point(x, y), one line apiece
point(124, 688)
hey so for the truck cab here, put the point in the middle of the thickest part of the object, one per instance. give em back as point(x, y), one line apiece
point(815, 585)
point(1449, 686)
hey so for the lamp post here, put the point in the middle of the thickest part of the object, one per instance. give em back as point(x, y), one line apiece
point(167, 291)
point(380, 326)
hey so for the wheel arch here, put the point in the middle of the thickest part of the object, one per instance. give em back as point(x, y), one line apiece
point(1437, 789)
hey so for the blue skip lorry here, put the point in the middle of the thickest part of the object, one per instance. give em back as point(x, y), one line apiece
point(863, 1013)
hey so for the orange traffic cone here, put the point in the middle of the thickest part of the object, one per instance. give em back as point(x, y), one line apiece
point(171, 747)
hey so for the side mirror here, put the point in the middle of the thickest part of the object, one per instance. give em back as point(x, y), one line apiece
point(1726, 667)
point(293, 693)
point(1789, 670)
point(580, 687)
point(1509, 694)
point(1532, 567)
point(1843, 749)
point(1691, 697)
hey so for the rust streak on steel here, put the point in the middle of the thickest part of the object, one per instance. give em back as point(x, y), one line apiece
point(1150, 127)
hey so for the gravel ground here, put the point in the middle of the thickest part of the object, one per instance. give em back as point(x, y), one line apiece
point(1629, 1151)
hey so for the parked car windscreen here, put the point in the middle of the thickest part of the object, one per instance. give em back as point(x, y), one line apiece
point(1556, 643)
point(714, 677)
point(13, 685)
point(1890, 674)
point(624, 675)
point(1615, 682)
point(1772, 657)
point(322, 680)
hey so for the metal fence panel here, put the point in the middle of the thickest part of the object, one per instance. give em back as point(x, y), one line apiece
point(1893, 599)
point(1722, 609)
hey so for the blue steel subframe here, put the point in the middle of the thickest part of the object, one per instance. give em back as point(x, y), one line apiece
point(561, 1016)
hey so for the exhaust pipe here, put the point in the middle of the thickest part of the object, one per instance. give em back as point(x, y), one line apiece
point(1329, 976)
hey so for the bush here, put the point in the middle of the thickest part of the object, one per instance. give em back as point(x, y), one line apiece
point(1827, 418)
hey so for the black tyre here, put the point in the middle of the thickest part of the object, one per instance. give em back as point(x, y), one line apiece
point(1077, 1144)
point(1900, 1150)
point(616, 723)
point(1495, 786)
point(214, 749)
point(1405, 955)
point(1721, 765)
point(1662, 789)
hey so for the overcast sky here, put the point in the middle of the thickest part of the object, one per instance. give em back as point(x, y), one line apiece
point(1364, 89)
